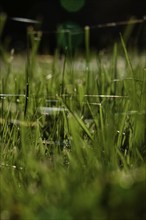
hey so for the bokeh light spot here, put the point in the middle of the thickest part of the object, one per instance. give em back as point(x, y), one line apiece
point(69, 35)
point(72, 5)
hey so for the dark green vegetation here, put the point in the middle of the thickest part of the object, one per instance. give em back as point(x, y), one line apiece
point(72, 136)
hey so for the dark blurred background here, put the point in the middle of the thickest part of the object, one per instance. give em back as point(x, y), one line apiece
point(53, 13)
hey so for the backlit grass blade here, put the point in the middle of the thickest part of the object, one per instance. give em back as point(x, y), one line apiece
point(80, 122)
point(127, 56)
point(122, 125)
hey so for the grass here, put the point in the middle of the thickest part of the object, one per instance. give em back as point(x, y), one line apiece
point(72, 136)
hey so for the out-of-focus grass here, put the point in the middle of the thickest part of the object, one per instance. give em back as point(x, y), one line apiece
point(79, 150)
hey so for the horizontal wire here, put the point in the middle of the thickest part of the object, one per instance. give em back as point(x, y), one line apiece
point(63, 95)
point(25, 20)
point(98, 26)
point(12, 95)
point(120, 23)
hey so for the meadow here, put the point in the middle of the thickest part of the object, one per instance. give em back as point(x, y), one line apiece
point(72, 135)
